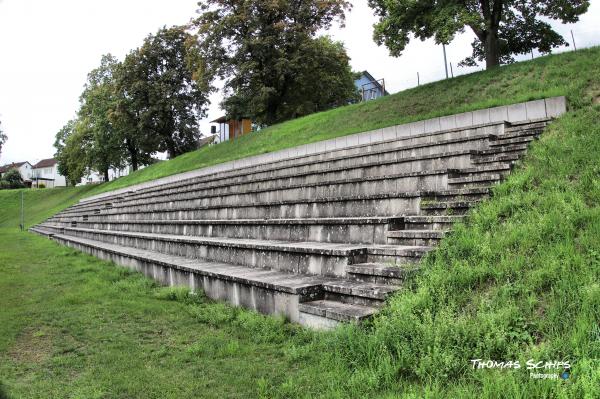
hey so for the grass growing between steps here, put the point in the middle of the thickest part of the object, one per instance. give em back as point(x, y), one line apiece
point(563, 74)
point(519, 281)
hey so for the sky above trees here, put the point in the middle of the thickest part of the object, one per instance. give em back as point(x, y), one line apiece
point(48, 48)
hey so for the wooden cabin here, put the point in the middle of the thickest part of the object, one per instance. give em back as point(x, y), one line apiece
point(230, 129)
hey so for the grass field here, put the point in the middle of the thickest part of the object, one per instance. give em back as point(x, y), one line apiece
point(520, 280)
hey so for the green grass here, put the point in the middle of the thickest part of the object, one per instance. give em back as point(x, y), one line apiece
point(565, 74)
point(519, 280)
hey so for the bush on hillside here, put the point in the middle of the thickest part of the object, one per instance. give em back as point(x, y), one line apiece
point(12, 179)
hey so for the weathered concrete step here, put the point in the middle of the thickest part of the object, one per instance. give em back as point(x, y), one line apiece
point(447, 207)
point(357, 230)
point(267, 291)
point(381, 273)
point(438, 234)
point(403, 182)
point(441, 222)
point(518, 148)
point(524, 126)
point(338, 311)
point(351, 288)
point(378, 167)
point(391, 203)
point(496, 158)
point(357, 205)
point(485, 178)
point(410, 146)
point(496, 167)
point(502, 141)
point(395, 254)
point(415, 237)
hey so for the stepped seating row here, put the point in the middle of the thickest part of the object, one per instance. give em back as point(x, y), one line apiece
point(322, 238)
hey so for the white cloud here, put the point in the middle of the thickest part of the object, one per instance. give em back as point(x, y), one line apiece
point(48, 47)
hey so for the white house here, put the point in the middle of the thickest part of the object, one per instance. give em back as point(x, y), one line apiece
point(46, 172)
point(24, 168)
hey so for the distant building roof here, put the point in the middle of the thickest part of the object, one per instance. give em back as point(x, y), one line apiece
point(373, 81)
point(45, 163)
point(14, 165)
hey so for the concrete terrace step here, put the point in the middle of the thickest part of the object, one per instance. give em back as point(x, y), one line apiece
point(359, 149)
point(392, 203)
point(367, 230)
point(447, 207)
point(404, 183)
point(496, 158)
point(380, 273)
point(440, 222)
point(502, 141)
point(501, 149)
point(315, 258)
point(415, 237)
point(401, 182)
point(225, 281)
point(337, 310)
point(378, 166)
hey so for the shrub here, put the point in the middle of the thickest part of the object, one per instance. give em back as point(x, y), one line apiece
point(12, 179)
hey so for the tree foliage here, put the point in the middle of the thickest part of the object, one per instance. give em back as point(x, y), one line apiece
point(101, 134)
point(164, 88)
point(503, 28)
point(152, 102)
point(273, 65)
point(71, 153)
point(3, 138)
point(12, 179)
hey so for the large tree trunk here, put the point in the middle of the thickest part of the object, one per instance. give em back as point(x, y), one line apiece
point(106, 178)
point(492, 50)
point(133, 154)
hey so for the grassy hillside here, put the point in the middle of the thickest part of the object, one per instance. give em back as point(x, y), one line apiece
point(544, 77)
point(519, 280)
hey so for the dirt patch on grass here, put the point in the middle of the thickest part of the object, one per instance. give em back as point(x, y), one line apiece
point(32, 346)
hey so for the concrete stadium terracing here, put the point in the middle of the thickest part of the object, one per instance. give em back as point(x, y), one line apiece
point(321, 233)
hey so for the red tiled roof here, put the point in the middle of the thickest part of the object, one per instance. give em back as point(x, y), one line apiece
point(14, 165)
point(45, 163)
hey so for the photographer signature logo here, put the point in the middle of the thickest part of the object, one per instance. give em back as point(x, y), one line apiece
point(538, 369)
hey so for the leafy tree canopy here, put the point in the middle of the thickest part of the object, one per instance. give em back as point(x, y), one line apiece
point(3, 138)
point(164, 92)
point(503, 28)
point(71, 153)
point(273, 66)
point(12, 179)
point(104, 137)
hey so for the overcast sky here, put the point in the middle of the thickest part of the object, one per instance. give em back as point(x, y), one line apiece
point(48, 47)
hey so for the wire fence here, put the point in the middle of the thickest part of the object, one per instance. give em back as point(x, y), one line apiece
point(578, 39)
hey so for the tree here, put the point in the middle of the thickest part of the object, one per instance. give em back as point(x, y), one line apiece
point(163, 89)
point(503, 28)
point(12, 179)
point(98, 101)
point(274, 68)
point(129, 104)
point(71, 153)
point(3, 138)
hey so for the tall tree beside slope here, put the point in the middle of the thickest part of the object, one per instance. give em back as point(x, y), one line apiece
point(130, 101)
point(97, 102)
point(71, 153)
point(163, 88)
point(3, 138)
point(273, 65)
point(503, 28)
